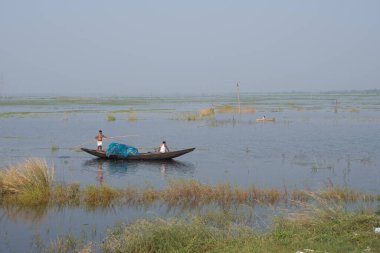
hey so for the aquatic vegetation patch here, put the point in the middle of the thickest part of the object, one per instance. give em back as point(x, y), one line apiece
point(31, 183)
point(207, 112)
point(132, 116)
point(344, 194)
point(110, 117)
point(67, 244)
point(321, 229)
point(235, 109)
point(161, 235)
point(66, 194)
point(12, 137)
point(189, 116)
point(352, 109)
point(12, 114)
point(54, 147)
point(141, 110)
point(99, 196)
point(28, 183)
point(318, 227)
point(20, 114)
point(327, 230)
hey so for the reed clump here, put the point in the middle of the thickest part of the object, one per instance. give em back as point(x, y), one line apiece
point(68, 243)
point(352, 109)
point(111, 117)
point(132, 116)
point(269, 195)
point(67, 194)
point(190, 116)
point(54, 148)
point(207, 112)
point(102, 196)
point(248, 110)
point(28, 183)
point(235, 109)
point(227, 109)
point(344, 194)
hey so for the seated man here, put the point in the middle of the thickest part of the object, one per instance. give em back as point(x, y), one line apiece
point(164, 148)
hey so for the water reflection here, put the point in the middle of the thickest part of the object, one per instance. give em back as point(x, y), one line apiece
point(32, 215)
point(122, 167)
point(100, 173)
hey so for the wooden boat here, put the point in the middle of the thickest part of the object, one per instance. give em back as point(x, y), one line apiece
point(140, 156)
point(265, 120)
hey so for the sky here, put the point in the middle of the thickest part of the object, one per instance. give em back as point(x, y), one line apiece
point(121, 47)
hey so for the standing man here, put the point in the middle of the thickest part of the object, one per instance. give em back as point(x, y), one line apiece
point(99, 138)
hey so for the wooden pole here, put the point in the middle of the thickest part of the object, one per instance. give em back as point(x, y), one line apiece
point(238, 96)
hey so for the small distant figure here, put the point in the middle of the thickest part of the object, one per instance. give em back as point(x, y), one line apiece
point(163, 147)
point(264, 117)
point(99, 137)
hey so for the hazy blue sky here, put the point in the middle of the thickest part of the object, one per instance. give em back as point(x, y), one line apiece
point(142, 47)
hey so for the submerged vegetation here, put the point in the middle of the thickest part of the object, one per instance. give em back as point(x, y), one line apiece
point(31, 183)
point(132, 116)
point(235, 109)
point(54, 147)
point(111, 117)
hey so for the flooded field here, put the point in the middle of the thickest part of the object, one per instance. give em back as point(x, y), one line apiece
point(317, 140)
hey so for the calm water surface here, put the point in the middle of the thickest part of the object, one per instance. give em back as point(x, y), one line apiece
point(316, 140)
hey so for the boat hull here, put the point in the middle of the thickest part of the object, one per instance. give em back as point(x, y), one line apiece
point(141, 156)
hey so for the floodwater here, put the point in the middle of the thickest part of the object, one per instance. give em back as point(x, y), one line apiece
point(317, 139)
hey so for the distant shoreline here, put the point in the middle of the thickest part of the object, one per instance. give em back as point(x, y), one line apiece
point(176, 95)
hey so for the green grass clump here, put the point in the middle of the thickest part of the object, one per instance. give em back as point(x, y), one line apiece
point(111, 117)
point(102, 196)
point(161, 235)
point(28, 183)
point(68, 243)
point(227, 109)
point(190, 116)
point(66, 194)
point(54, 148)
point(207, 112)
point(352, 109)
point(132, 116)
point(327, 229)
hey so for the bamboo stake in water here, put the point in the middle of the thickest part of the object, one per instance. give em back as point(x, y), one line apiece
point(238, 95)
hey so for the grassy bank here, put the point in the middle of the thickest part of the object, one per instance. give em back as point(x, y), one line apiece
point(322, 229)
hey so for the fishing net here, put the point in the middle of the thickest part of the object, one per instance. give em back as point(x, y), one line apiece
point(121, 150)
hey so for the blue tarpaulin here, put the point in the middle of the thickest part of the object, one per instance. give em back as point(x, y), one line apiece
point(121, 150)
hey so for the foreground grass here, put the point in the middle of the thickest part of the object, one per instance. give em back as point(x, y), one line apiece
point(323, 226)
point(322, 229)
